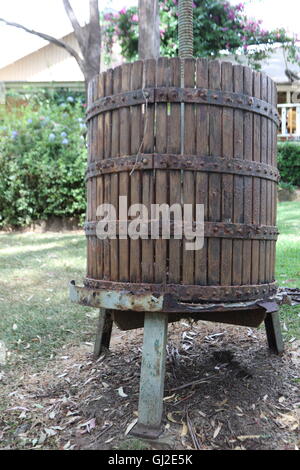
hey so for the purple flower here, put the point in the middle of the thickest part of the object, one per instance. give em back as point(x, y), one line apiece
point(51, 137)
point(63, 134)
point(231, 15)
point(65, 141)
point(14, 134)
point(135, 18)
point(70, 99)
point(29, 121)
point(123, 11)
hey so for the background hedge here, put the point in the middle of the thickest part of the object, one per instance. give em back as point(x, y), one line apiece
point(42, 157)
point(289, 162)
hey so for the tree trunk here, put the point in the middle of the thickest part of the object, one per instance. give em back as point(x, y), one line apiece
point(149, 36)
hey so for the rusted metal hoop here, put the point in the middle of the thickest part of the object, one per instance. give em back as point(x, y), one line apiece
point(211, 229)
point(188, 293)
point(202, 96)
point(189, 162)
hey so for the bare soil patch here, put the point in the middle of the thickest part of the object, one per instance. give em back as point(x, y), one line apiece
point(223, 390)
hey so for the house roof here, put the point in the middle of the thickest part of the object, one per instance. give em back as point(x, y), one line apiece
point(274, 66)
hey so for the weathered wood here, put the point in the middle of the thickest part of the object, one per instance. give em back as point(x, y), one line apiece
point(227, 180)
point(248, 184)
point(238, 181)
point(226, 162)
point(114, 181)
point(256, 181)
point(152, 374)
point(214, 180)
point(103, 334)
point(174, 146)
point(162, 77)
point(273, 330)
point(124, 177)
point(202, 141)
point(188, 183)
point(148, 176)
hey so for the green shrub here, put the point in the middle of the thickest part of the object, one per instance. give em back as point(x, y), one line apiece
point(42, 158)
point(289, 162)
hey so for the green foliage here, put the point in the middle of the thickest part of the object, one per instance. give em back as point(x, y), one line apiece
point(218, 27)
point(42, 158)
point(289, 163)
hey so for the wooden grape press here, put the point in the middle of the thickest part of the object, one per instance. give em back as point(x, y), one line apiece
point(187, 131)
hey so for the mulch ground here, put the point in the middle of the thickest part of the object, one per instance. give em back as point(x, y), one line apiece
point(223, 390)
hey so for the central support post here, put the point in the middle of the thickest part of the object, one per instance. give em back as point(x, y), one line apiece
point(152, 379)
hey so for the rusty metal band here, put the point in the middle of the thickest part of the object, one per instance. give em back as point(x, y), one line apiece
point(157, 161)
point(211, 230)
point(193, 293)
point(202, 96)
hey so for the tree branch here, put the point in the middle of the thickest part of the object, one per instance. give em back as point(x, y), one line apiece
point(75, 23)
point(51, 39)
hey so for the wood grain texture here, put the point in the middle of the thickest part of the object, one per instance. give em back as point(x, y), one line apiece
point(209, 131)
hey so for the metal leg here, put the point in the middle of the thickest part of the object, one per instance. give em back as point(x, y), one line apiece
point(152, 376)
point(103, 332)
point(273, 331)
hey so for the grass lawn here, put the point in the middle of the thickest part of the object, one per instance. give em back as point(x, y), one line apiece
point(36, 316)
point(288, 263)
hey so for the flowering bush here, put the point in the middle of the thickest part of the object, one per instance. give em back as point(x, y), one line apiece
point(218, 26)
point(42, 158)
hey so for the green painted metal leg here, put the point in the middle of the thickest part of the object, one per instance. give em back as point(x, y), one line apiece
point(273, 331)
point(152, 376)
point(103, 332)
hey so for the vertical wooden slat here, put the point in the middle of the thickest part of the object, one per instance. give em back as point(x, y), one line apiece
point(115, 151)
point(214, 185)
point(227, 180)
point(189, 148)
point(263, 188)
point(148, 176)
point(124, 188)
point(99, 180)
point(256, 181)
point(161, 190)
point(274, 185)
point(93, 183)
point(107, 178)
point(269, 188)
point(135, 178)
point(174, 146)
point(248, 151)
point(238, 181)
point(89, 184)
point(202, 140)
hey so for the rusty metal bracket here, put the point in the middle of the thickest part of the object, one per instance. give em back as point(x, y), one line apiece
point(155, 161)
point(202, 96)
point(211, 230)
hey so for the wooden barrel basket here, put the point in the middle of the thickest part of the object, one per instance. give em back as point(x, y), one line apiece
point(227, 161)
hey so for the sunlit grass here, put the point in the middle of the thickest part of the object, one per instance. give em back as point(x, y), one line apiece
point(36, 316)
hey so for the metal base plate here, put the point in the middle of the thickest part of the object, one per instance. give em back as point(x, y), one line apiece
point(146, 432)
